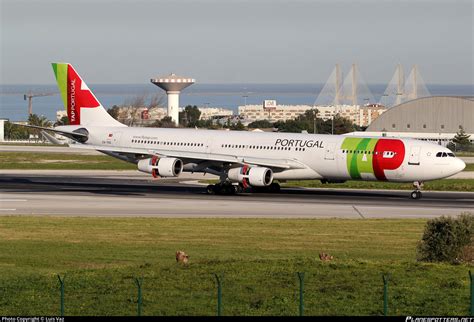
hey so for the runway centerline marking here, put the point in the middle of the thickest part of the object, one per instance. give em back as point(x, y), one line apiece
point(13, 200)
point(8, 209)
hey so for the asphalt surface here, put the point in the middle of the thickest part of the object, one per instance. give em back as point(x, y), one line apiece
point(89, 193)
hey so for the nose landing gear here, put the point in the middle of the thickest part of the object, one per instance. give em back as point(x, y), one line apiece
point(417, 193)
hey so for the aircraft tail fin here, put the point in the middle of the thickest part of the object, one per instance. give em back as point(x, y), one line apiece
point(82, 107)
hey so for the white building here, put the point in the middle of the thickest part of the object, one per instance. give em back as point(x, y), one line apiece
point(60, 114)
point(359, 115)
point(273, 114)
point(2, 129)
point(212, 112)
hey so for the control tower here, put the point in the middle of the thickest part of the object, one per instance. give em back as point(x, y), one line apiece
point(173, 85)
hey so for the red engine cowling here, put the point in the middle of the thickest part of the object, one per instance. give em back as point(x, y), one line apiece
point(251, 176)
point(164, 167)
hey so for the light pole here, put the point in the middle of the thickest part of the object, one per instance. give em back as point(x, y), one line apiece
point(245, 99)
point(332, 125)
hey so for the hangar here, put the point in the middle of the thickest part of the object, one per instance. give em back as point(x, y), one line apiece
point(433, 118)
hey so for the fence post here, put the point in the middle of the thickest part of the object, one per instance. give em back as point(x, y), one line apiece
point(385, 294)
point(472, 293)
point(61, 287)
point(138, 282)
point(301, 278)
point(219, 295)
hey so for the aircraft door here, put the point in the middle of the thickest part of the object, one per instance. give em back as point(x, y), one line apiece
point(329, 151)
point(414, 158)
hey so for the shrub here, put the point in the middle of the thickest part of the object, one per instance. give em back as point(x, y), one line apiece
point(447, 239)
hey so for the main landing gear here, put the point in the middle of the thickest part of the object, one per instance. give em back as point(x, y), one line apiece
point(417, 193)
point(224, 188)
point(227, 188)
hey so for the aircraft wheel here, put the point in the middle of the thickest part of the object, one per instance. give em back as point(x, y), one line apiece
point(415, 195)
point(238, 188)
point(274, 187)
point(211, 189)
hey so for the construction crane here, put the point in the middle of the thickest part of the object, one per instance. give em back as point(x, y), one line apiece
point(30, 95)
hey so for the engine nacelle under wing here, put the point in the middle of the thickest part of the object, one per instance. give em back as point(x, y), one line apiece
point(164, 167)
point(253, 176)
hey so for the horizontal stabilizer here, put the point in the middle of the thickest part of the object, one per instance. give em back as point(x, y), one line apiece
point(76, 136)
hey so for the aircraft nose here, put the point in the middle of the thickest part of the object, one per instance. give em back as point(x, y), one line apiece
point(458, 165)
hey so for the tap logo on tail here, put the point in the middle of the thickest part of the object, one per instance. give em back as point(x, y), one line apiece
point(74, 92)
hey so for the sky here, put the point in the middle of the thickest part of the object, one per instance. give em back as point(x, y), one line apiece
point(217, 41)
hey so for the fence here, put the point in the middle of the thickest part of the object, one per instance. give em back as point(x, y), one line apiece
point(221, 295)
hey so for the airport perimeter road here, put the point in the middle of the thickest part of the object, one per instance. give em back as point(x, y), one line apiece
point(25, 194)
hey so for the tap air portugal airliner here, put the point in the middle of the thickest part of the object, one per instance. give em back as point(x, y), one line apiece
point(247, 159)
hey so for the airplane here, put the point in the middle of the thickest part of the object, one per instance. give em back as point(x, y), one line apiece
point(245, 160)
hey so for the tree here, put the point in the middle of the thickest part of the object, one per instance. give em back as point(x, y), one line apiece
point(190, 116)
point(36, 120)
point(238, 126)
point(156, 101)
point(63, 121)
point(262, 124)
point(461, 139)
point(167, 122)
point(114, 111)
point(40, 121)
point(292, 126)
point(15, 132)
point(342, 125)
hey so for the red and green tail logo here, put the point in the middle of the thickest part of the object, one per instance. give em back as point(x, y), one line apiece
point(74, 92)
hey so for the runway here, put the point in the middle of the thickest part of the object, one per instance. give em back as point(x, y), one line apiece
point(115, 193)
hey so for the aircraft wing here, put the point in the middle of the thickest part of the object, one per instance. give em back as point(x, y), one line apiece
point(77, 136)
point(272, 163)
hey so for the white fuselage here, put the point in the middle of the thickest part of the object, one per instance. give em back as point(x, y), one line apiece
point(331, 157)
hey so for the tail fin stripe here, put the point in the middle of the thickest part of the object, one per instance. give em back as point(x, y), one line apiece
point(77, 96)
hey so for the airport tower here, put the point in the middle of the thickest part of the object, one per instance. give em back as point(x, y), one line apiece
point(173, 85)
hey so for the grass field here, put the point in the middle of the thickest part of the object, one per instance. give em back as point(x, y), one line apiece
point(258, 258)
point(61, 161)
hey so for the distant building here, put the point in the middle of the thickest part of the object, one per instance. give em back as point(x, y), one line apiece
point(2, 129)
point(434, 118)
point(60, 114)
point(208, 113)
point(359, 115)
point(273, 114)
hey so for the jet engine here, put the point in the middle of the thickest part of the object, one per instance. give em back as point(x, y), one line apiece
point(251, 176)
point(163, 167)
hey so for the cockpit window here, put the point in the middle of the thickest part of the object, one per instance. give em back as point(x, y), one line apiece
point(451, 154)
point(439, 154)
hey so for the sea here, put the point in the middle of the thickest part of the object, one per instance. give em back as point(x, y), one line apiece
point(14, 107)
